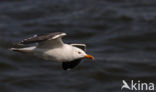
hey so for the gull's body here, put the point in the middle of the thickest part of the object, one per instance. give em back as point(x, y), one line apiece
point(51, 47)
point(51, 54)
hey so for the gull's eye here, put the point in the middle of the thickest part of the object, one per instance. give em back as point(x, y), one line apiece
point(79, 52)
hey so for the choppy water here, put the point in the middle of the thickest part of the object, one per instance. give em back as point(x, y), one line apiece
point(121, 34)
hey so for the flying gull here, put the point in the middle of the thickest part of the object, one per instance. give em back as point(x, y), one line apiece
point(51, 47)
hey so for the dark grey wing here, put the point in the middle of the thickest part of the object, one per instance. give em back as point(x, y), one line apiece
point(46, 41)
point(40, 38)
point(81, 46)
point(70, 65)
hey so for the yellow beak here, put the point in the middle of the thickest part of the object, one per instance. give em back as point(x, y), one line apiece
point(89, 56)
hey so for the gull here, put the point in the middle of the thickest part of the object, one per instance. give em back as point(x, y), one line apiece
point(51, 47)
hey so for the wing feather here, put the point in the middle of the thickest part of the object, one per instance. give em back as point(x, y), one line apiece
point(70, 65)
point(81, 46)
point(49, 40)
point(40, 38)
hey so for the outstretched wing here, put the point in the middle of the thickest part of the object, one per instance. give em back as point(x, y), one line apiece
point(81, 46)
point(70, 65)
point(46, 41)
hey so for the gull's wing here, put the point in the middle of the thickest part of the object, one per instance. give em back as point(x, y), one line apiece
point(46, 41)
point(81, 46)
point(70, 65)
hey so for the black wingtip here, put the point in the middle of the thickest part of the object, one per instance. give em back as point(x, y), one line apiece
point(12, 49)
point(67, 69)
point(70, 65)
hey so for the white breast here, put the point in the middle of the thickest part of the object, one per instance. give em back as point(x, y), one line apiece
point(63, 54)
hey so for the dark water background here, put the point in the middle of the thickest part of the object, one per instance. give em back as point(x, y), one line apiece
point(121, 34)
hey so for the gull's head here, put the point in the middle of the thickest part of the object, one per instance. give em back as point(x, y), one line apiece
point(79, 54)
